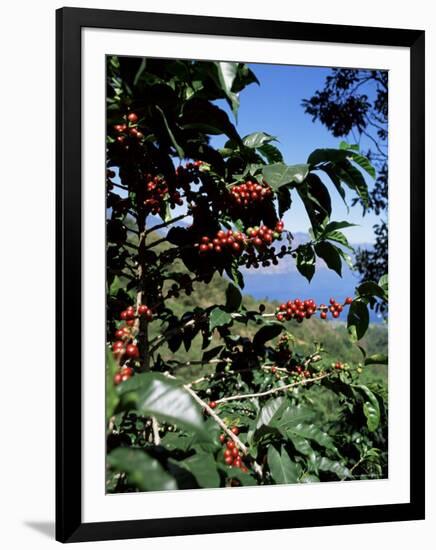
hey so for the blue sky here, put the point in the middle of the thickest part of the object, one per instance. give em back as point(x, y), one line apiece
point(275, 107)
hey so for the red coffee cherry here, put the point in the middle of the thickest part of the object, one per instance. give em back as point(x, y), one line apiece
point(132, 117)
point(132, 351)
point(212, 404)
point(348, 301)
point(235, 430)
point(117, 378)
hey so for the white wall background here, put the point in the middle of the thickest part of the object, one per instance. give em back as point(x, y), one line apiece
point(27, 219)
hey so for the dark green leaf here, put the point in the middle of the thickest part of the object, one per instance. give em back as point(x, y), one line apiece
point(326, 155)
point(306, 261)
point(270, 152)
point(177, 147)
point(371, 407)
point(330, 255)
point(203, 467)
point(369, 288)
point(143, 471)
point(358, 319)
point(284, 200)
point(265, 333)
point(111, 395)
point(233, 298)
point(283, 469)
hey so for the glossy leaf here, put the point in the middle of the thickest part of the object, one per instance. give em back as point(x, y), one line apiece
point(306, 261)
point(233, 298)
point(358, 319)
point(203, 467)
point(279, 174)
point(371, 407)
point(143, 471)
point(283, 469)
point(330, 255)
point(267, 332)
point(257, 139)
point(156, 395)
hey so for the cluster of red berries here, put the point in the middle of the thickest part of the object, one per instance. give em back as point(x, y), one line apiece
point(338, 365)
point(123, 374)
point(249, 193)
point(231, 241)
point(236, 241)
point(335, 308)
point(296, 309)
point(157, 192)
point(232, 456)
point(305, 309)
point(129, 128)
point(130, 313)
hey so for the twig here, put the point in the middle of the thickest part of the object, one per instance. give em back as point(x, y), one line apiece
point(225, 429)
point(272, 391)
point(155, 428)
point(166, 224)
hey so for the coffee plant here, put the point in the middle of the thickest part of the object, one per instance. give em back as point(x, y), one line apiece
point(243, 407)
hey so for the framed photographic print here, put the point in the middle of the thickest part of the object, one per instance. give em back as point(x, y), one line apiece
point(240, 242)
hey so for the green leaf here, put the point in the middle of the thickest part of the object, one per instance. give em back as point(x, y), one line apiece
point(284, 200)
point(177, 440)
point(340, 238)
point(358, 319)
point(350, 147)
point(326, 465)
point(156, 395)
point(364, 163)
point(306, 261)
point(211, 353)
point(140, 71)
point(328, 169)
point(270, 152)
point(235, 473)
point(177, 147)
point(233, 298)
point(371, 407)
point(369, 288)
point(219, 318)
point(301, 445)
point(384, 283)
point(354, 179)
point(279, 174)
point(293, 416)
point(327, 155)
point(111, 395)
point(257, 139)
point(267, 332)
point(143, 471)
point(227, 72)
point(203, 467)
point(271, 410)
point(330, 255)
point(334, 226)
point(283, 469)
point(310, 431)
point(377, 359)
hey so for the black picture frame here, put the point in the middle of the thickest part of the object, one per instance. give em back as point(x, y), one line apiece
point(69, 525)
